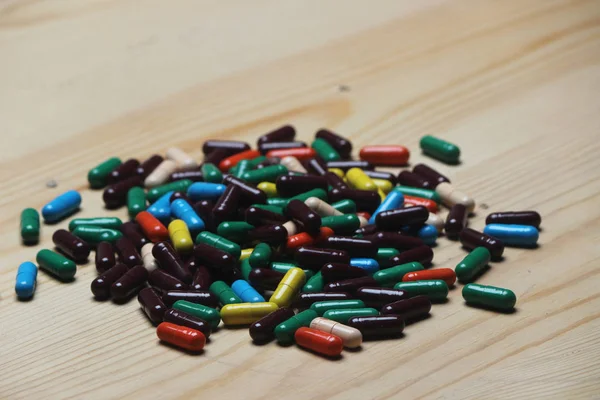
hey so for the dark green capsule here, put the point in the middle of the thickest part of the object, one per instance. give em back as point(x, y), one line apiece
point(472, 264)
point(284, 332)
point(342, 316)
point(266, 174)
point(489, 297)
point(434, 289)
point(201, 311)
point(418, 192)
point(93, 235)
point(98, 175)
point(383, 256)
point(440, 149)
point(314, 284)
point(136, 201)
point(220, 243)
point(325, 151)
point(279, 202)
point(177, 186)
point(236, 231)
point(241, 168)
point(321, 306)
point(225, 294)
point(390, 276)
point(342, 224)
point(56, 264)
point(346, 206)
point(318, 193)
point(261, 256)
point(210, 173)
point(245, 268)
point(284, 267)
point(274, 209)
point(30, 226)
point(97, 222)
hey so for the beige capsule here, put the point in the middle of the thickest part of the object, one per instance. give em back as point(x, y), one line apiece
point(363, 221)
point(161, 174)
point(351, 337)
point(291, 228)
point(451, 196)
point(292, 164)
point(436, 221)
point(184, 160)
point(148, 258)
point(321, 207)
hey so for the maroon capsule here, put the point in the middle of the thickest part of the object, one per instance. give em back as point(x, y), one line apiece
point(365, 200)
point(127, 252)
point(262, 330)
point(356, 247)
point(305, 300)
point(129, 283)
point(395, 219)
point(146, 168)
point(285, 133)
point(412, 308)
point(308, 220)
point(193, 175)
point(226, 207)
point(350, 285)
point(168, 260)
point(408, 178)
point(227, 275)
point(531, 218)
point(335, 181)
point(456, 221)
point(231, 146)
point(152, 305)
point(216, 156)
point(314, 258)
point(316, 166)
point(378, 296)
point(342, 145)
point(101, 285)
point(115, 195)
point(179, 195)
point(346, 165)
point(259, 216)
point(334, 272)
point(204, 210)
point(274, 235)
point(212, 257)
point(250, 193)
point(430, 174)
point(105, 257)
point(123, 171)
point(268, 162)
point(132, 231)
point(264, 148)
point(202, 278)
point(395, 240)
point(422, 254)
point(471, 239)
point(184, 319)
point(199, 297)
point(366, 231)
point(291, 185)
point(388, 176)
point(161, 280)
point(72, 246)
point(378, 326)
point(264, 278)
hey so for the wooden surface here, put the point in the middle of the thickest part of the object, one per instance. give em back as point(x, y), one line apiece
point(514, 83)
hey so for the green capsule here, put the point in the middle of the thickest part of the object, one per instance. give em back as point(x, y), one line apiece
point(56, 264)
point(277, 202)
point(318, 193)
point(240, 169)
point(245, 268)
point(177, 186)
point(390, 276)
point(94, 235)
point(284, 267)
point(284, 332)
point(30, 226)
point(325, 151)
point(274, 209)
point(383, 256)
point(343, 315)
point(266, 174)
point(321, 306)
point(97, 176)
point(489, 297)
point(472, 264)
point(418, 192)
point(201, 311)
point(236, 231)
point(440, 149)
point(314, 284)
point(210, 173)
point(435, 289)
point(225, 294)
point(261, 256)
point(136, 201)
point(341, 224)
point(235, 170)
point(346, 206)
point(220, 243)
point(97, 222)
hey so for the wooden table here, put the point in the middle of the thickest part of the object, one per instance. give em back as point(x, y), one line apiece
point(514, 83)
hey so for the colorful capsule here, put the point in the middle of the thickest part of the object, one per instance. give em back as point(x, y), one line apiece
point(211, 173)
point(284, 267)
point(181, 336)
point(30, 226)
point(98, 176)
point(149, 165)
point(98, 222)
point(473, 264)
point(350, 285)
point(93, 235)
point(261, 256)
point(266, 174)
point(440, 149)
point(236, 231)
point(152, 227)
point(377, 326)
point(351, 337)
point(26, 280)
point(471, 239)
point(136, 201)
point(342, 145)
point(513, 235)
point(225, 294)
point(161, 208)
point(230, 146)
point(183, 319)
point(446, 274)
point(320, 307)
point(456, 221)
point(269, 188)
point(359, 180)
point(421, 254)
point(325, 150)
point(219, 242)
point(183, 210)
point(389, 155)
point(314, 284)
point(201, 311)
point(133, 232)
point(184, 161)
point(418, 192)
point(56, 264)
point(489, 297)
point(430, 205)
point(288, 288)
point(177, 186)
point(246, 313)
point(342, 224)
point(205, 191)
point(374, 296)
point(245, 253)
point(62, 206)
point(262, 331)
point(147, 258)
point(531, 218)
point(314, 258)
point(233, 160)
point(436, 290)
point(300, 153)
point(368, 264)
point(246, 292)
point(180, 236)
point(394, 199)
point(343, 315)
point(284, 332)
point(160, 174)
point(451, 196)
point(318, 341)
point(321, 207)
point(412, 308)
point(393, 275)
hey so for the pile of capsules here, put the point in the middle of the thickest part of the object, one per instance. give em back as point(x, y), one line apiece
point(338, 248)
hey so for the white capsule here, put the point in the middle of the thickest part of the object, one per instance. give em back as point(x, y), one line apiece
point(292, 164)
point(161, 174)
point(351, 337)
point(450, 196)
point(291, 228)
point(184, 161)
point(436, 221)
point(363, 221)
point(148, 258)
point(321, 207)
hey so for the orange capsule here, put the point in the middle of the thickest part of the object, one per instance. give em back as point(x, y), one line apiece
point(301, 153)
point(445, 274)
point(430, 205)
point(181, 336)
point(232, 161)
point(152, 227)
point(304, 239)
point(385, 154)
point(319, 342)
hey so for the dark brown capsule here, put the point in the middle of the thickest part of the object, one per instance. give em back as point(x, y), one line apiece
point(213, 258)
point(105, 257)
point(161, 280)
point(184, 319)
point(146, 168)
point(342, 145)
point(388, 176)
point(456, 221)
point(316, 166)
point(115, 195)
point(356, 247)
point(365, 200)
point(471, 239)
point(259, 216)
point(350, 285)
point(395, 240)
point(152, 305)
point(72, 246)
point(262, 330)
point(202, 278)
point(366, 231)
point(268, 162)
point(274, 235)
point(132, 231)
point(291, 185)
point(199, 297)
point(101, 285)
point(412, 308)
point(305, 300)
point(531, 218)
point(308, 220)
point(408, 178)
point(128, 284)
point(378, 326)
point(179, 195)
point(127, 252)
point(194, 176)
point(168, 260)
point(334, 272)
point(264, 278)
point(264, 148)
point(422, 254)
point(227, 275)
point(226, 206)
point(284, 133)
point(430, 174)
point(204, 210)
point(314, 258)
point(395, 219)
point(231, 146)
point(251, 194)
point(377, 296)
point(123, 171)
point(216, 156)
point(346, 165)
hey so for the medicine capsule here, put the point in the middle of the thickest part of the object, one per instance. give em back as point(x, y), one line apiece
point(30, 226)
point(219, 242)
point(115, 195)
point(384, 185)
point(292, 185)
point(152, 305)
point(202, 279)
point(184, 161)
point(409, 309)
point(440, 149)
point(284, 267)
point(181, 336)
point(264, 215)
point(430, 174)
point(233, 160)
point(201, 311)
point(93, 235)
point(274, 235)
point(161, 208)
point(394, 240)
point(359, 180)
point(531, 218)
point(319, 342)
point(314, 284)
point(456, 221)
point(246, 313)
point(26, 280)
point(320, 207)
point(383, 256)
point(98, 222)
point(123, 171)
point(62, 206)
point(261, 256)
point(149, 165)
point(105, 257)
point(435, 221)
point(300, 153)
point(183, 319)
point(213, 257)
point(236, 231)
point(267, 174)
point(180, 236)
point(285, 133)
point(129, 283)
point(338, 172)
point(342, 224)
point(136, 201)
point(161, 280)
point(389, 155)
point(407, 178)
point(319, 193)
point(489, 297)
point(170, 262)
point(342, 145)
point(378, 326)
point(262, 330)
point(56, 264)
point(98, 176)
point(293, 164)
point(350, 285)
point(245, 253)
point(394, 200)
point(333, 272)
point(322, 306)
point(205, 191)
point(314, 258)
point(368, 264)
point(160, 174)
point(203, 297)
point(284, 332)
point(390, 276)
point(473, 264)
point(436, 290)
point(70, 245)
point(269, 188)
point(513, 235)
point(445, 274)
point(246, 292)
point(152, 227)
point(177, 186)
point(309, 220)
point(347, 164)
point(101, 285)
point(224, 293)
point(393, 220)
point(343, 315)
point(418, 192)
point(374, 296)
point(430, 205)
point(127, 252)
point(305, 300)
point(450, 196)
point(355, 247)
point(288, 287)
point(147, 257)
point(325, 150)
point(181, 209)
point(230, 146)
point(422, 254)
point(266, 147)
point(471, 239)
point(210, 173)
point(363, 199)
point(351, 337)
point(132, 231)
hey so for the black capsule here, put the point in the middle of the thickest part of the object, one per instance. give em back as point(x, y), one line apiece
point(213, 258)
point(388, 176)
point(346, 165)
point(250, 193)
point(350, 285)
point(315, 165)
point(184, 319)
point(377, 296)
point(72, 246)
point(531, 218)
point(264, 148)
point(342, 145)
point(291, 185)
point(161, 280)
point(115, 195)
point(129, 283)
point(262, 330)
point(378, 326)
point(152, 305)
point(264, 278)
point(285, 133)
point(365, 200)
point(105, 257)
point(408, 178)
point(314, 258)
point(395, 219)
point(230, 146)
point(430, 174)
point(471, 239)
point(308, 220)
point(259, 216)
point(216, 156)
point(333, 272)
point(127, 252)
point(226, 206)
point(194, 176)
point(411, 308)
point(198, 296)
point(456, 221)
point(123, 171)
point(274, 235)
point(422, 254)
point(305, 300)
point(356, 247)
point(168, 260)
point(202, 279)
point(101, 285)
point(146, 168)
point(395, 240)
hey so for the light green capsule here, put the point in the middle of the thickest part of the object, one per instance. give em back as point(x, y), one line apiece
point(225, 294)
point(93, 235)
point(220, 243)
point(346, 206)
point(201, 311)
point(266, 174)
point(344, 315)
point(236, 231)
point(261, 256)
point(284, 267)
point(344, 224)
point(390, 276)
point(325, 151)
point(440, 149)
point(472, 264)
point(321, 306)
point(136, 201)
point(489, 297)
point(435, 289)
point(98, 175)
point(56, 264)
point(383, 256)
point(284, 332)
point(418, 192)
point(30, 226)
point(177, 186)
point(210, 173)
point(97, 222)
point(314, 284)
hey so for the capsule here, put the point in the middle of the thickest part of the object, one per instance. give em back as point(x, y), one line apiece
point(393, 220)
point(322, 208)
point(205, 191)
point(233, 160)
point(181, 336)
point(342, 224)
point(101, 286)
point(450, 196)
point(342, 145)
point(280, 149)
point(123, 171)
point(181, 209)
point(262, 330)
point(374, 296)
point(201, 311)
point(388, 155)
point(436, 290)
point(267, 174)
point(246, 292)
point(305, 300)
point(314, 258)
point(325, 150)
point(169, 260)
point(70, 245)
point(115, 195)
point(513, 235)
point(227, 205)
point(471, 239)
point(319, 342)
point(105, 257)
point(293, 164)
point(61, 207)
point(347, 164)
point(440, 149)
point(26, 280)
point(288, 287)
point(132, 231)
point(456, 221)
point(409, 309)
point(333, 272)
point(292, 185)
point(152, 305)
point(129, 283)
point(160, 174)
point(224, 293)
point(368, 264)
point(202, 279)
point(383, 185)
point(203, 297)
point(149, 165)
point(350, 285)
point(531, 218)
point(407, 178)
point(161, 280)
point(97, 222)
point(422, 254)
point(394, 240)
point(127, 252)
point(269, 188)
point(136, 201)
point(261, 256)
point(359, 180)
point(364, 200)
point(320, 307)
point(274, 235)
point(236, 231)
point(30, 226)
point(230, 146)
point(161, 208)
point(394, 200)
point(489, 297)
point(445, 274)
point(344, 315)
point(219, 242)
point(184, 161)
point(184, 319)
point(264, 215)
point(284, 332)
point(246, 313)
point(355, 247)
point(56, 264)
point(378, 326)
point(314, 284)
point(147, 257)
point(98, 176)
point(390, 276)
point(351, 337)
point(411, 201)
point(284, 133)
point(303, 215)
point(473, 264)
point(319, 193)
point(152, 227)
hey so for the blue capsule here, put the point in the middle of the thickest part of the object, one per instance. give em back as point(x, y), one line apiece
point(62, 206)
point(246, 292)
point(428, 234)
point(368, 264)
point(26, 278)
point(394, 199)
point(181, 209)
point(205, 191)
point(514, 235)
point(161, 208)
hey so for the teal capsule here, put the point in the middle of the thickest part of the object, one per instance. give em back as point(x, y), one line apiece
point(266, 174)
point(98, 175)
point(342, 316)
point(279, 202)
point(211, 174)
point(344, 224)
point(346, 206)
point(325, 151)
point(472, 264)
point(284, 267)
point(96, 222)
point(384, 254)
point(368, 264)
point(241, 168)
point(30, 226)
point(236, 231)
point(390, 276)
point(136, 201)
point(56, 264)
point(62, 206)
point(220, 243)
point(440, 149)
point(93, 235)
point(314, 284)
point(178, 186)
point(245, 269)
point(489, 297)
point(418, 192)
point(26, 280)
point(435, 289)
point(201, 311)
point(321, 306)
point(261, 256)
point(225, 294)
point(513, 235)
point(284, 332)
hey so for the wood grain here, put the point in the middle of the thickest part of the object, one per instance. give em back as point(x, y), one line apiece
point(514, 83)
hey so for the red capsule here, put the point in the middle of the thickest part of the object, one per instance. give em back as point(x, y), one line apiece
point(412, 201)
point(319, 342)
point(233, 160)
point(305, 239)
point(301, 153)
point(152, 227)
point(446, 274)
point(385, 154)
point(181, 336)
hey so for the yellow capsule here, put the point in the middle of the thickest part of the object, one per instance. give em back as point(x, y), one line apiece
point(180, 236)
point(359, 180)
point(246, 253)
point(246, 313)
point(337, 171)
point(383, 184)
point(290, 285)
point(269, 188)
point(381, 194)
